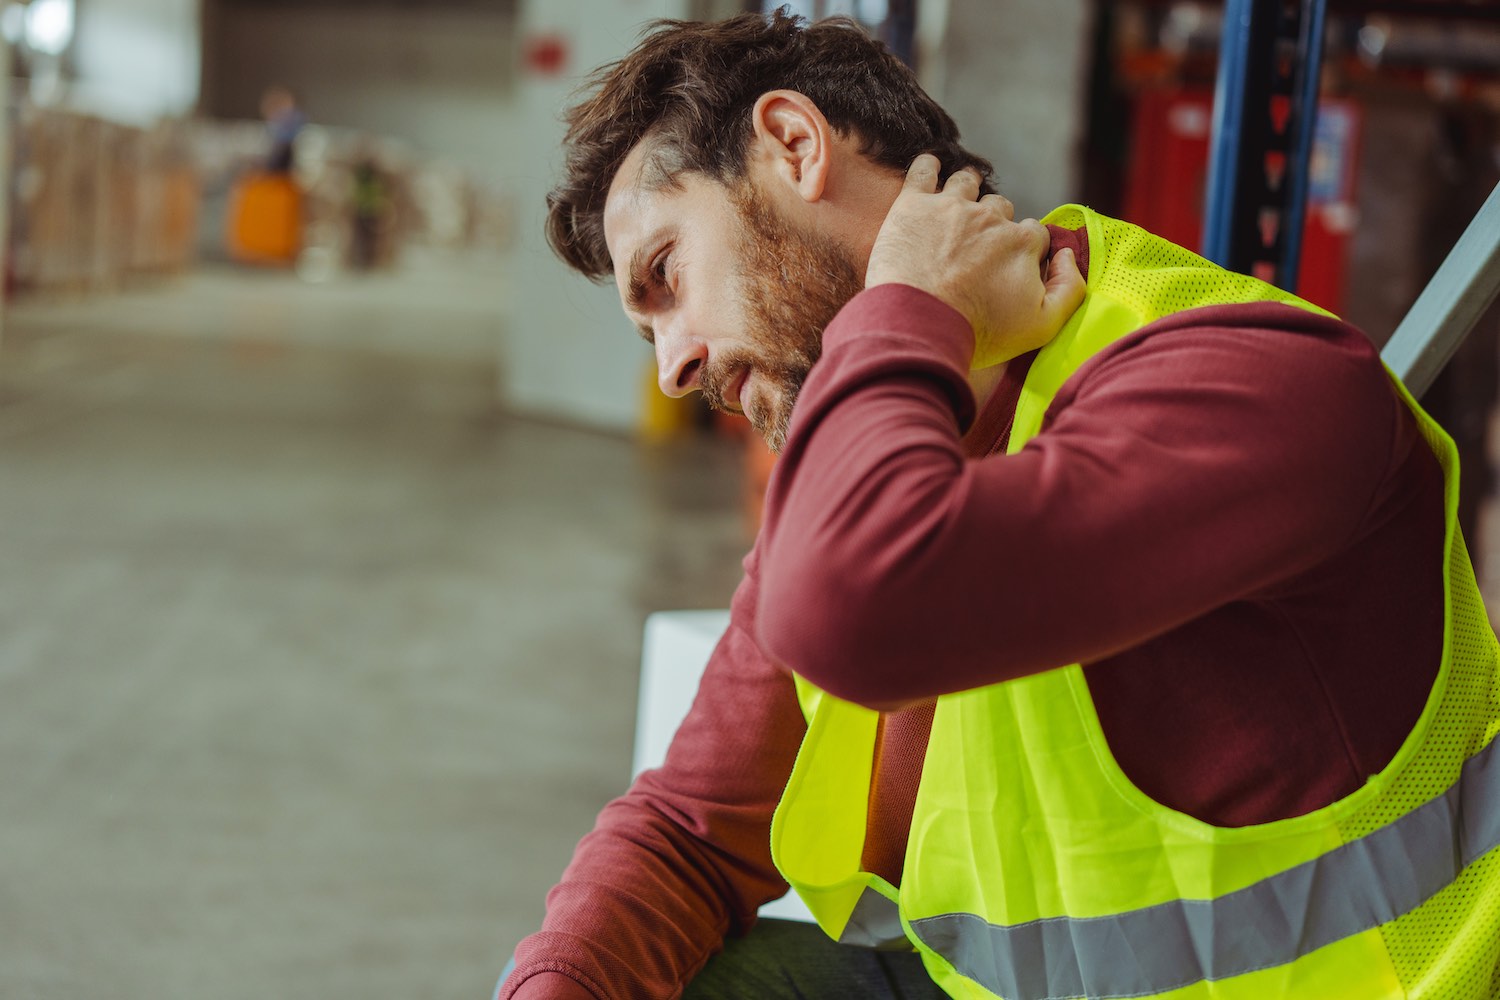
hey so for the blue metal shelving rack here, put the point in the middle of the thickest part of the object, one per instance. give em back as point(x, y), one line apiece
point(1265, 106)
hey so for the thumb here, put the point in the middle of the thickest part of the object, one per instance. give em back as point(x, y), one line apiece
point(1064, 288)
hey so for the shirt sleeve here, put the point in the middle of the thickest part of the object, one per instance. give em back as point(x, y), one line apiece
point(683, 858)
point(1211, 456)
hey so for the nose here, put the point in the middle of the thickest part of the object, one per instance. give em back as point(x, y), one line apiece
point(679, 363)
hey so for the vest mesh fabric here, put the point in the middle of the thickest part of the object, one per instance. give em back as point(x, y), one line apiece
point(1152, 277)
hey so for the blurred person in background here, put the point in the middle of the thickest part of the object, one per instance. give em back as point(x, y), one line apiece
point(284, 120)
point(1108, 633)
point(370, 202)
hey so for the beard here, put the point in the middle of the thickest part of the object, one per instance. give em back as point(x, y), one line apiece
point(793, 284)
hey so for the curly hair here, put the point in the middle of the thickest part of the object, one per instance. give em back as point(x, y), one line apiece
point(689, 88)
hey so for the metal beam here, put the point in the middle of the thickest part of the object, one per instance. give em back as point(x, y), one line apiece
point(1270, 56)
point(1307, 81)
point(1450, 305)
point(1230, 101)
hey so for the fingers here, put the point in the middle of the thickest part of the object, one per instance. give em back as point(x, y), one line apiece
point(922, 175)
point(1002, 203)
point(963, 183)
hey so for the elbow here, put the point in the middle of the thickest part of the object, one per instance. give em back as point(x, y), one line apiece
point(840, 638)
point(851, 598)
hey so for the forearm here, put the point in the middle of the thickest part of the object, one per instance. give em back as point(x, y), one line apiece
point(637, 912)
point(683, 859)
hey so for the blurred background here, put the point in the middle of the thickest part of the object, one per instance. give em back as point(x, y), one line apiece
point(332, 506)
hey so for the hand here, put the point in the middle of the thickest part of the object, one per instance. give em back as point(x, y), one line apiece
point(968, 252)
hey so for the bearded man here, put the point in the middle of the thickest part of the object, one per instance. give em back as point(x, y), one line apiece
point(1108, 633)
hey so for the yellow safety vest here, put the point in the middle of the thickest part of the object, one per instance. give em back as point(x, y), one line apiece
point(1036, 870)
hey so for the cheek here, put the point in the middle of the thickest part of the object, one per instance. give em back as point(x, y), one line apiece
point(722, 306)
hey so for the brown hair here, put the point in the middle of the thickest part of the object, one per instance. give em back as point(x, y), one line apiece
point(690, 87)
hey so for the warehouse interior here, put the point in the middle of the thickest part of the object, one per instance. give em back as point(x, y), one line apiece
point(333, 505)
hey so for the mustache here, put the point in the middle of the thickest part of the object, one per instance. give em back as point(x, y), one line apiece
point(718, 374)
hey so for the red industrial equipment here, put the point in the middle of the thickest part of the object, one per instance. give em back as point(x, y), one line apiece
point(1169, 166)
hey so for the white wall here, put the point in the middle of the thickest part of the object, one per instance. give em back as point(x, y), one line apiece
point(1014, 77)
point(571, 353)
point(136, 60)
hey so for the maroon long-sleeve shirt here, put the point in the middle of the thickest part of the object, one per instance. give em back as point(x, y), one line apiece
point(1229, 517)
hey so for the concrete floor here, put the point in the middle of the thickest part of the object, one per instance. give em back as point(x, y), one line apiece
point(313, 667)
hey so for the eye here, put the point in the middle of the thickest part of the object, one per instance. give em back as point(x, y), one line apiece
point(659, 267)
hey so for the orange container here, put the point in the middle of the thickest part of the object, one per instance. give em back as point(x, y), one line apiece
point(265, 219)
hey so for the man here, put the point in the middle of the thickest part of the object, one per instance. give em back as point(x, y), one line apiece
point(284, 122)
point(1099, 641)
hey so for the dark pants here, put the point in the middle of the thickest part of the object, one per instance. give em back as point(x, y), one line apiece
point(792, 960)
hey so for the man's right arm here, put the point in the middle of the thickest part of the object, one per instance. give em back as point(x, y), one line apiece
point(683, 858)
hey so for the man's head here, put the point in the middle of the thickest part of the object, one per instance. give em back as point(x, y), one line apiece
point(276, 102)
point(732, 177)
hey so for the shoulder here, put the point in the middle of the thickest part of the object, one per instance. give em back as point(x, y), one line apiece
point(1262, 401)
point(1311, 369)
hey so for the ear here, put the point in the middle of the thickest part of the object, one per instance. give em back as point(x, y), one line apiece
point(794, 140)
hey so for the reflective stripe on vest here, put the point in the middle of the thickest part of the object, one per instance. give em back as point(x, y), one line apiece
point(875, 923)
point(1353, 888)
